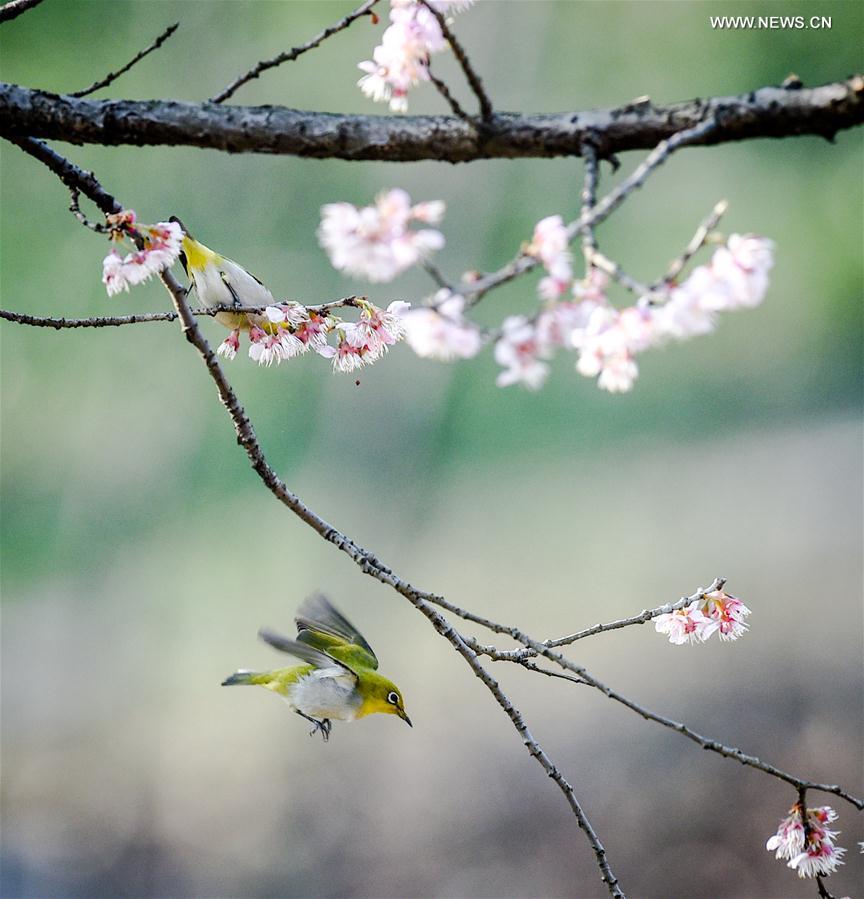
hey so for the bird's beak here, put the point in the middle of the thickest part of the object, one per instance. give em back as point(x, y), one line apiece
point(404, 717)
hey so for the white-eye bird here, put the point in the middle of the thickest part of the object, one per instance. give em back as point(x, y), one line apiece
point(220, 281)
point(338, 679)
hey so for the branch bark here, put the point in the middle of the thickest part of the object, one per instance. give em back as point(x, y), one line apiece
point(767, 112)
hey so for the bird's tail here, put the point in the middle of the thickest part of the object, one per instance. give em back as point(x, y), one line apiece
point(245, 677)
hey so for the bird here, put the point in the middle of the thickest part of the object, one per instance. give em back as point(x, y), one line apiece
point(338, 679)
point(220, 281)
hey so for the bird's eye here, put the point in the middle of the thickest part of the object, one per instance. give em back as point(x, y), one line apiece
point(393, 698)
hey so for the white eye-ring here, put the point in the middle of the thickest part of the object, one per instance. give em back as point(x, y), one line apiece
point(393, 698)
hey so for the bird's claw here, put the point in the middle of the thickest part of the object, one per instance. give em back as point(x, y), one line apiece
point(325, 725)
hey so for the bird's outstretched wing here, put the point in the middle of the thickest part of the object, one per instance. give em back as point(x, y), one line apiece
point(322, 627)
point(305, 652)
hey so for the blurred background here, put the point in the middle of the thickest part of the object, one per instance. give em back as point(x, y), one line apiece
point(141, 554)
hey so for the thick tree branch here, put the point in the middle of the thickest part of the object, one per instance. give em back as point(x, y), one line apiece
point(767, 112)
point(15, 8)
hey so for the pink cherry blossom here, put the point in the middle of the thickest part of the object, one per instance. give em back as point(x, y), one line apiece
point(440, 331)
point(685, 625)
point(160, 250)
point(727, 614)
point(810, 850)
point(229, 346)
point(401, 60)
point(551, 245)
point(519, 352)
point(608, 343)
point(375, 242)
point(381, 329)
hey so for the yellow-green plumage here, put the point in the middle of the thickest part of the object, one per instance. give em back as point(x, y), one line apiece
point(220, 281)
point(339, 679)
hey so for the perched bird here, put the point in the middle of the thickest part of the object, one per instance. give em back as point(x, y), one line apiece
point(219, 281)
point(339, 678)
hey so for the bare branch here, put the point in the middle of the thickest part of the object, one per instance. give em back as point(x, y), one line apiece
point(473, 78)
point(705, 742)
point(72, 176)
point(596, 259)
point(113, 76)
point(15, 8)
point(703, 232)
point(435, 274)
point(452, 102)
point(292, 54)
point(767, 112)
point(75, 209)
point(113, 321)
point(110, 321)
point(589, 198)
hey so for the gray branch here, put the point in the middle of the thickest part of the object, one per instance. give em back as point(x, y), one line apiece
point(15, 8)
point(767, 112)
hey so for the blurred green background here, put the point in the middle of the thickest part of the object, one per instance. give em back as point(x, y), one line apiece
point(141, 554)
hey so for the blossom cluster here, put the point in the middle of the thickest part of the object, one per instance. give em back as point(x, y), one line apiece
point(375, 242)
point(401, 60)
point(716, 612)
point(157, 247)
point(441, 331)
point(287, 330)
point(578, 316)
point(810, 850)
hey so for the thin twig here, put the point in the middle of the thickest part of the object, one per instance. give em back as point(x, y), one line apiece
point(292, 54)
point(705, 742)
point(703, 232)
point(595, 258)
point(113, 76)
point(517, 655)
point(436, 274)
point(15, 8)
point(75, 209)
point(445, 93)
point(589, 198)
point(486, 111)
point(113, 321)
point(476, 290)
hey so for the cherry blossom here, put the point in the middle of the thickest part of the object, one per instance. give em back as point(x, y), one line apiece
point(440, 331)
point(727, 614)
point(375, 242)
point(685, 625)
point(810, 850)
point(519, 352)
point(715, 612)
point(229, 346)
point(401, 60)
point(160, 249)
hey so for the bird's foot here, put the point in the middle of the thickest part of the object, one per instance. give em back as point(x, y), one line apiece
point(324, 726)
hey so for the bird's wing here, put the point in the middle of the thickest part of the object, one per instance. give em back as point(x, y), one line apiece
point(322, 661)
point(321, 626)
